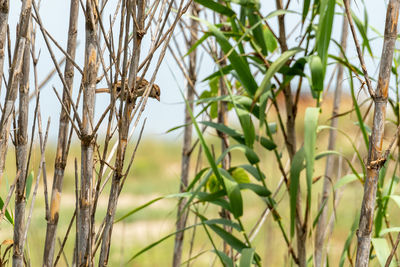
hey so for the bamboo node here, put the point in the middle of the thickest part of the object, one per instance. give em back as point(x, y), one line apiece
point(377, 164)
point(380, 99)
point(86, 139)
point(140, 34)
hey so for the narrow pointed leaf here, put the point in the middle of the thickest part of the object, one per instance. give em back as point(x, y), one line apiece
point(238, 62)
point(275, 66)
point(217, 7)
point(247, 257)
point(295, 169)
point(327, 12)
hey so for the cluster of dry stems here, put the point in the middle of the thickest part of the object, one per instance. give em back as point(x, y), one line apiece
point(113, 52)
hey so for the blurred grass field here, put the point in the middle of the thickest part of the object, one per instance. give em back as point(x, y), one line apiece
point(156, 172)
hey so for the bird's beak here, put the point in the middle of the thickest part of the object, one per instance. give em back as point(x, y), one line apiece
point(158, 98)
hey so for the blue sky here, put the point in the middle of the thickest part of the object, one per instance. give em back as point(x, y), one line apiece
point(169, 112)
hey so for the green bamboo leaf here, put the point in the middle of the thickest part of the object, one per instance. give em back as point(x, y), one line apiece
point(344, 62)
point(253, 171)
point(239, 175)
point(207, 152)
point(224, 222)
point(317, 75)
point(213, 185)
point(258, 33)
point(216, 198)
point(247, 127)
point(272, 43)
point(306, 7)
point(249, 153)
point(226, 260)
point(275, 66)
point(258, 189)
point(233, 193)
point(310, 137)
point(238, 62)
point(295, 169)
point(327, 12)
point(346, 180)
point(197, 178)
point(267, 143)
point(247, 257)
point(280, 12)
point(206, 197)
point(382, 251)
point(7, 215)
point(230, 239)
point(223, 71)
point(224, 129)
point(244, 3)
point(362, 29)
point(217, 7)
point(198, 42)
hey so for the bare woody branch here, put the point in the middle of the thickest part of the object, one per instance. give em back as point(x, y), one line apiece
point(62, 143)
point(21, 141)
point(89, 82)
point(12, 84)
point(187, 139)
point(376, 139)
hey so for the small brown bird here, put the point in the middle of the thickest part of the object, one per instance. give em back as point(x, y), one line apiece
point(141, 88)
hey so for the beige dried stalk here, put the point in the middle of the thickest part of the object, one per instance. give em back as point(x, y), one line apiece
point(12, 84)
point(62, 143)
point(375, 157)
point(187, 138)
point(128, 111)
point(89, 81)
point(4, 9)
point(21, 144)
point(123, 126)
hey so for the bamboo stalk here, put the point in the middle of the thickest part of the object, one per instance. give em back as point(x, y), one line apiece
point(187, 140)
point(21, 145)
point(123, 126)
point(62, 143)
point(4, 10)
point(12, 84)
point(89, 81)
point(329, 170)
point(375, 162)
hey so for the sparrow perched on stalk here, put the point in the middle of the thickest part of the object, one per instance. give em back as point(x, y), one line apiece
point(141, 86)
